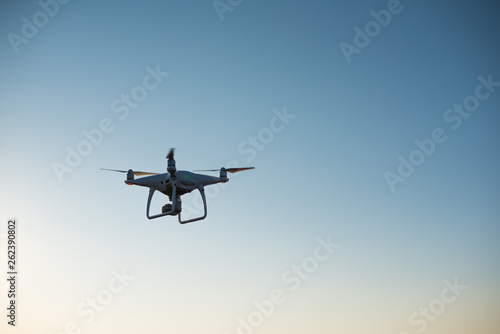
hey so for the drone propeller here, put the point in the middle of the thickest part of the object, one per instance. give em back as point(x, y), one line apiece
point(230, 170)
point(170, 154)
point(136, 173)
point(171, 163)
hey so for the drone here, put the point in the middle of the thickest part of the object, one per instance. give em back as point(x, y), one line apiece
point(176, 183)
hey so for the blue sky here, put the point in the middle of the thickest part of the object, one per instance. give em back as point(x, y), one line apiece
point(321, 175)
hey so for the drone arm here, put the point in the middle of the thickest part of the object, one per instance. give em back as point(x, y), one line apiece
point(202, 193)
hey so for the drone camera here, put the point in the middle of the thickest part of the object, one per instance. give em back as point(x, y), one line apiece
point(168, 207)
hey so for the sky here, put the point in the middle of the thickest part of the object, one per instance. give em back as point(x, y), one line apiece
point(372, 126)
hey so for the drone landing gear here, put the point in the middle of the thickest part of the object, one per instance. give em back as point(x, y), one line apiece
point(202, 193)
point(176, 207)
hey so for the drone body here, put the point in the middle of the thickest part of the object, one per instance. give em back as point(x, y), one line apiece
point(174, 184)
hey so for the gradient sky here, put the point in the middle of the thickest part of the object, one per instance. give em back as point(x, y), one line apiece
point(320, 176)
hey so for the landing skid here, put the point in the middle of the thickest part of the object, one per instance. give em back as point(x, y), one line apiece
point(202, 193)
point(176, 209)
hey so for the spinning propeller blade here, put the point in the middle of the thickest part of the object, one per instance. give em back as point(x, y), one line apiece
point(229, 170)
point(170, 154)
point(236, 170)
point(126, 171)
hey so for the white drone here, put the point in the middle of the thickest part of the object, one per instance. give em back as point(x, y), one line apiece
point(174, 184)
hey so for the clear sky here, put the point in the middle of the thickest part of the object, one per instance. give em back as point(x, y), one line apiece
point(373, 127)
